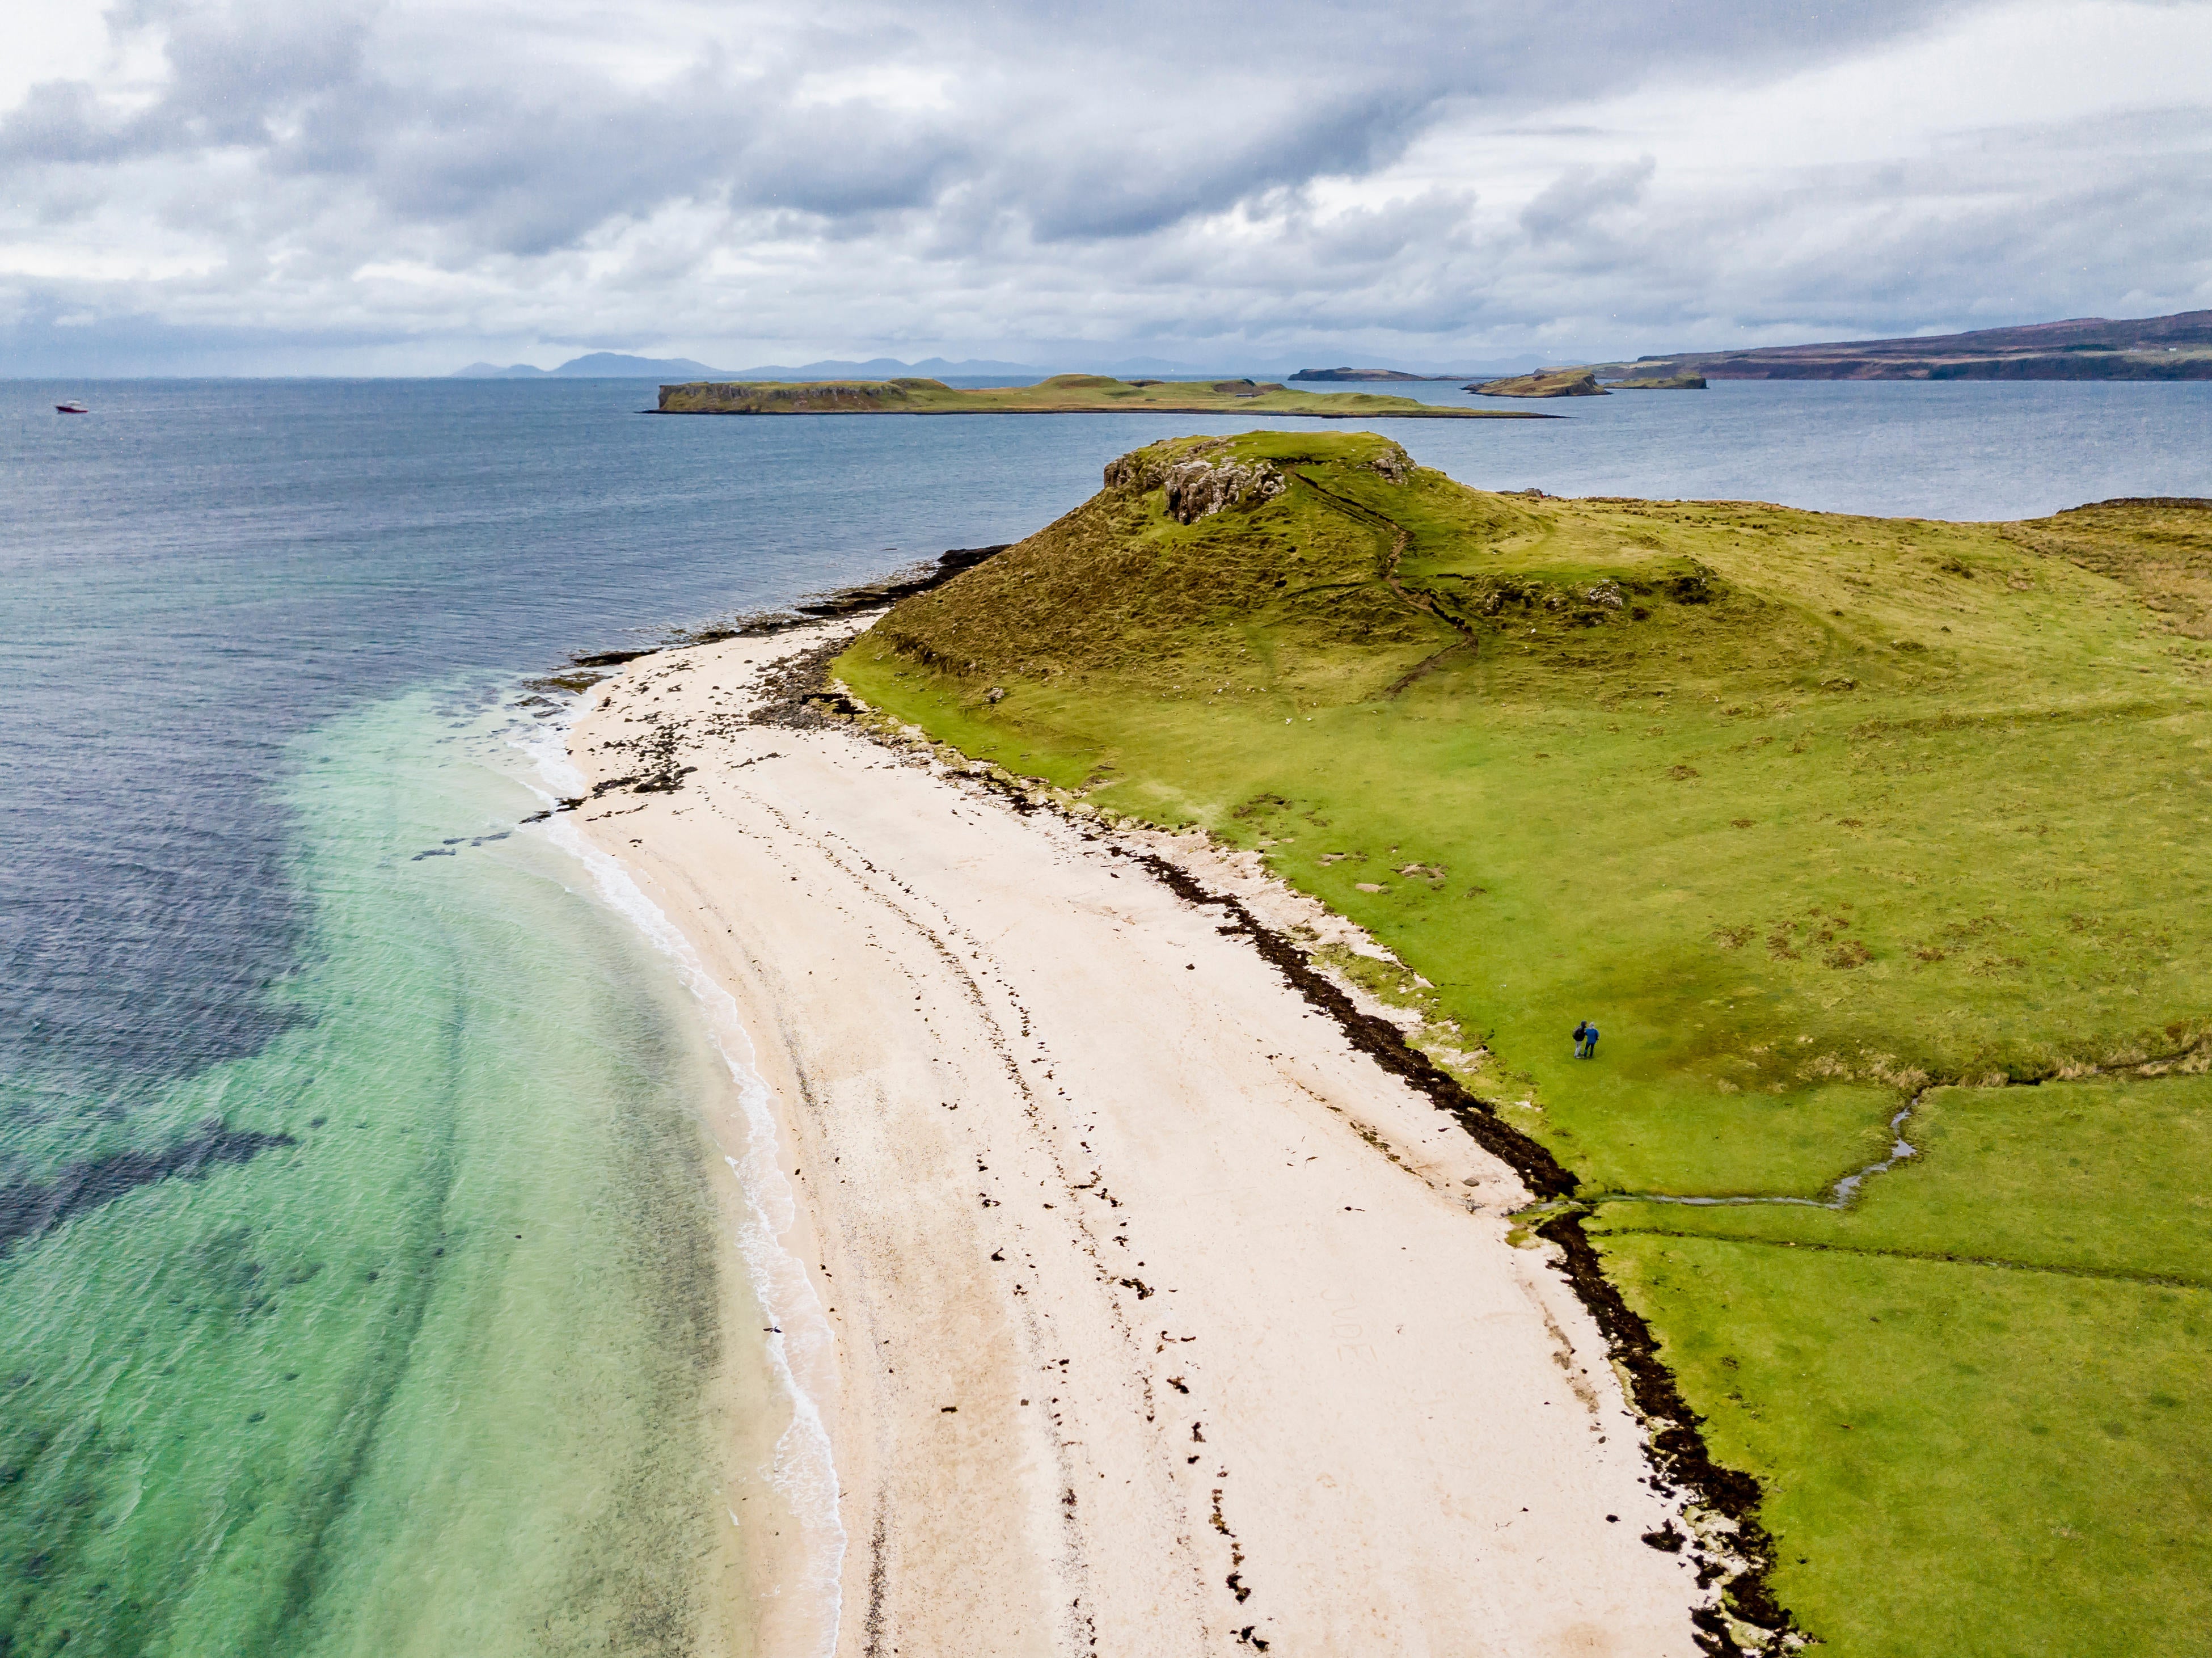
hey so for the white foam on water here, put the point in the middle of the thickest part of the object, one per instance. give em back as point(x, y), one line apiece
point(800, 1343)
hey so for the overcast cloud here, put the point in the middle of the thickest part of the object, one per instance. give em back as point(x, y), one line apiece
point(251, 185)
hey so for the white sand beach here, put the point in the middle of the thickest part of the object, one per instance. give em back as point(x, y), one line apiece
point(1166, 1322)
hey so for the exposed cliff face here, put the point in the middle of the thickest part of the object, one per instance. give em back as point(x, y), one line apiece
point(819, 398)
point(1200, 481)
point(1200, 489)
point(1196, 487)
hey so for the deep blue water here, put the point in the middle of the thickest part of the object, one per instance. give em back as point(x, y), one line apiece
point(213, 587)
point(1950, 450)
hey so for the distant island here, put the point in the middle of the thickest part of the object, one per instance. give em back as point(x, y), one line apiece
point(2173, 348)
point(1365, 374)
point(1062, 394)
point(1544, 383)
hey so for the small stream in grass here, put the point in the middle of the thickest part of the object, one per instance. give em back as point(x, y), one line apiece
point(1840, 1194)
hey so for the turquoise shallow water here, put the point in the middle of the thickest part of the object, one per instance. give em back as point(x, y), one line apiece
point(371, 1279)
point(446, 1373)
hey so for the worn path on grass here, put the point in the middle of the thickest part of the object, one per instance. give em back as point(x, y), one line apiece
point(1164, 1320)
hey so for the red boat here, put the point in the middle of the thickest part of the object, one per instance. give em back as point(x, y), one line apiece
point(71, 408)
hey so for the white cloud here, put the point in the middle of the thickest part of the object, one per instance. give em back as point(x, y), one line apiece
point(250, 184)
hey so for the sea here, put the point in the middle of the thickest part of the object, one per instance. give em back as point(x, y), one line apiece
point(371, 1279)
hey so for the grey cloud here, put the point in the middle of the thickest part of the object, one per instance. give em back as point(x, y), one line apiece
point(1121, 188)
point(1074, 177)
point(235, 72)
point(1087, 123)
point(1568, 203)
point(850, 161)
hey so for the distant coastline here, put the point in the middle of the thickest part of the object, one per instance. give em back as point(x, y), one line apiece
point(2171, 348)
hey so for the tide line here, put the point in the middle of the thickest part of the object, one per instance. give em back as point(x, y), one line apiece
point(800, 1343)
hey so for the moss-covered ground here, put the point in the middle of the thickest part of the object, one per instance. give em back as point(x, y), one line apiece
point(1818, 817)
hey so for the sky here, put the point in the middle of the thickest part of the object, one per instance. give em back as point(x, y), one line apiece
point(403, 186)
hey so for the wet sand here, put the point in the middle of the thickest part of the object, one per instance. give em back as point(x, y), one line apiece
point(1160, 1319)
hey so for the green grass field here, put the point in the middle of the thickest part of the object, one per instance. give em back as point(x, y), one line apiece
point(1816, 817)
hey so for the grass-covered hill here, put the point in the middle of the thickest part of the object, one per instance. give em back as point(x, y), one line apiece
point(1544, 383)
point(1819, 818)
point(1063, 394)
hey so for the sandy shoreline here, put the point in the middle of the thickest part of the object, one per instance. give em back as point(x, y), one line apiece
point(1159, 1320)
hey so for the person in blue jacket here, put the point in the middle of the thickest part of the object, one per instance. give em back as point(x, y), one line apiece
point(1589, 1040)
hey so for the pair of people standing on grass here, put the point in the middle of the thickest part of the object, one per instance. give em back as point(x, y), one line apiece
point(1586, 1041)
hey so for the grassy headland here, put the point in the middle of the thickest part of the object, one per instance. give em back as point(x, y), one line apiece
point(1820, 819)
point(1544, 383)
point(1063, 394)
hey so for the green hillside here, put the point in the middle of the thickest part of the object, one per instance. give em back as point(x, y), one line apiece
point(1819, 818)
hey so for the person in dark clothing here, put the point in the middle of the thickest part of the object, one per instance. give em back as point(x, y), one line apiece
point(1581, 1030)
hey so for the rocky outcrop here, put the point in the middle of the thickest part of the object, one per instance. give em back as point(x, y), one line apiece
point(1196, 487)
point(1200, 489)
point(1146, 469)
point(1201, 481)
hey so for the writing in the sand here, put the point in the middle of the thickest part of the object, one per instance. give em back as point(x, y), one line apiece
point(1344, 1324)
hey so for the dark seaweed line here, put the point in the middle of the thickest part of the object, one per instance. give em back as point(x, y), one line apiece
point(2110, 1275)
point(833, 606)
point(1676, 1448)
point(29, 1211)
point(1677, 1445)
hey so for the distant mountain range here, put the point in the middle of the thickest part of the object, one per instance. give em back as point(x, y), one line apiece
point(599, 365)
point(612, 365)
point(2174, 348)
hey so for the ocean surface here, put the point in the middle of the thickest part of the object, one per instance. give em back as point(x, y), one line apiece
point(368, 1282)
